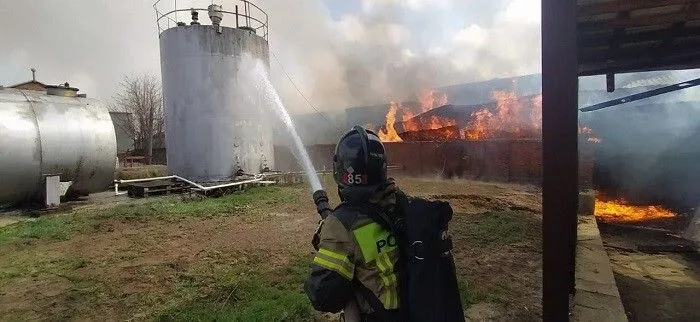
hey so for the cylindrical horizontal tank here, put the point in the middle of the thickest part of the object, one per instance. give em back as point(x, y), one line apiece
point(215, 126)
point(47, 135)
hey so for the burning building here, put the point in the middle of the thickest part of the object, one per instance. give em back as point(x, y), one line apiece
point(498, 140)
point(485, 131)
point(639, 158)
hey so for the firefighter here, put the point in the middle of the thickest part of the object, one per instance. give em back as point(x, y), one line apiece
point(357, 256)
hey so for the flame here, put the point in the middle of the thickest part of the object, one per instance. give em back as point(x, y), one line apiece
point(478, 127)
point(430, 99)
point(536, 112)
point(439, 122)
point(585, 130)
point(588, 133)
point(507, 119)
point(620, 211)
point(409, 124)
point(512, 117)
point(388, 133)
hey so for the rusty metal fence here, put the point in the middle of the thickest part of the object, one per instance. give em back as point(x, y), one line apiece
point(517, 161)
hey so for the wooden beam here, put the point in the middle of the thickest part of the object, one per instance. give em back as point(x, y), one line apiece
point(596, 40)
point(626, 5)
point(636, 53)
point(668, 40)
point(560, 156)
point(610, 82)
point(639, 21)
point(684, 62)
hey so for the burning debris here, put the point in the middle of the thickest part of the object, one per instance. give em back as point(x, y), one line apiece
point(515, 117)
point(619, 211)
point(449, 132)
point(433, 119)
point(429, 100)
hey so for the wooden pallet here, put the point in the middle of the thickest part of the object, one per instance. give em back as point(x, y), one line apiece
point(157, 187)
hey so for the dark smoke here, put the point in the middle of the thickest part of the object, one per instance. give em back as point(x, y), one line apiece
point(649, 150)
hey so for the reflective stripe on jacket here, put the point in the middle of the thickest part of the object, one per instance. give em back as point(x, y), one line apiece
point(353, 246)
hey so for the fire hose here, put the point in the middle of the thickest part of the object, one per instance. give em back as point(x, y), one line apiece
point(351, 312)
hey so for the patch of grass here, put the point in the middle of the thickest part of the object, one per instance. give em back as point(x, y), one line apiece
point(241, 292)
point(175, 208)
point(21, 265)
point(254, 300)
point(63, 227)
point(471, 294)
point(55, 227)
point(499, 228)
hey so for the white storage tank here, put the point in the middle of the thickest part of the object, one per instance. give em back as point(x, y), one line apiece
point(214, 128)
point(59, 134)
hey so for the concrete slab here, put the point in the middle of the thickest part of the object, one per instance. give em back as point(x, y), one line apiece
point(597, 297)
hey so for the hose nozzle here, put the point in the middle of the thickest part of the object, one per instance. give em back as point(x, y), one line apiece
point(321, 201)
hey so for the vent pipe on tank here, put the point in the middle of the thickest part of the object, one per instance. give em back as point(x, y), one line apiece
point(195, 18)
point(215, 14)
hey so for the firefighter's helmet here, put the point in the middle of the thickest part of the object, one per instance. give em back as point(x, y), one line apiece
point(359, 160)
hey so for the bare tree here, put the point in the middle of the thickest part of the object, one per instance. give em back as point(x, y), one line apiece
point(140, 95)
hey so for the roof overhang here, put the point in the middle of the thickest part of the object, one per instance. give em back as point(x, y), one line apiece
point(623, 36)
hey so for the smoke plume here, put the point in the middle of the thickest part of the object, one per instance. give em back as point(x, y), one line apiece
point(390, 49)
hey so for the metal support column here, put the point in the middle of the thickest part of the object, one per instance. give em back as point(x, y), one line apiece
point(560, 155)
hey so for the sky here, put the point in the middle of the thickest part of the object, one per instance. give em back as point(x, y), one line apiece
point(339, 53)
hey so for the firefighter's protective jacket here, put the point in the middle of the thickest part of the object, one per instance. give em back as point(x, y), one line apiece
point(354, 249)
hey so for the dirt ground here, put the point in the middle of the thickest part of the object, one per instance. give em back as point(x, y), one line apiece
point(132, 266)
point(654, 286)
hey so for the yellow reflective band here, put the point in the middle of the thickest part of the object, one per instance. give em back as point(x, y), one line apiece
point(392, 281)
point(387, 300)
point(385, 266)
point(334, 267)
point(336, 255)
point(383, 271)
point(390, 269)
point(343, 263)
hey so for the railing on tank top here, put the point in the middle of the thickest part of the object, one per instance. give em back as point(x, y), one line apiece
point(246, 15)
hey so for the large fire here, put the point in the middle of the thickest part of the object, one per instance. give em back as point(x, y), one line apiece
point(429, 100)
point(508, 116)
point(621, 211)
point(508, 119)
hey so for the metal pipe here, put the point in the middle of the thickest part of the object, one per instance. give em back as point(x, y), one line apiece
point(247, 13)
point(116, 190)
point(231, 184)
point(192, 183)
point(643, 95)
point(144, 179)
